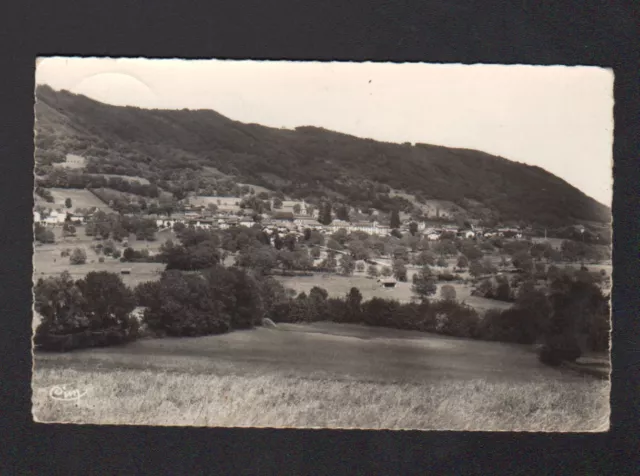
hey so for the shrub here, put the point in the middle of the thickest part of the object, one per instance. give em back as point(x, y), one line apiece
point(78, 256)
point(101, 259)
point(558, 349)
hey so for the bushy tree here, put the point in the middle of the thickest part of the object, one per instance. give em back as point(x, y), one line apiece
point(94, 311)
point(68, 203)
point(386, 271)
point(424, 284)
point(476, 269)
point(448, 293)
point(463, 262)
point(399, 270)
point(43, 234)
point(372, 271)
point(347, 265)
point(78, 256)
point(425, 258)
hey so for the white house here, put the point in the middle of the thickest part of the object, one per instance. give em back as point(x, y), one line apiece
point(55, 218)
point(247, 223)
point(433, 236)
point(469, 234)
point(36, 217)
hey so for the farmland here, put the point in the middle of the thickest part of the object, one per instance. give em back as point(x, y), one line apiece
point(320, 375)
point(80, 198)
point(338, 286)
point(48, 262)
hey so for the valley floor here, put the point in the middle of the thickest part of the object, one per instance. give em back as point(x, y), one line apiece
point(320, 375)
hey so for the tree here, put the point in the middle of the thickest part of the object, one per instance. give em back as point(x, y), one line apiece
point(78, 256)
point(128, 254)
point(108, 301)
point(68, 203)
point(476, 269)
point(413, 228)
point(342, 213)
point(399, 270)
point(43, 234)
point(277, 203)
point(386, 271)
point(360, 267)
point(448, 292)
point(442, 263)
point(347, 265)
point(372, 271)
point(522, 260)
point(325, 214)
point(60, 303)
point(425, 258)
point(471, 251)
point(296, 209)
point(396, 233)
point(424, 284)
point(394, 221)
point(463, 262)
point(354, 305)
point(68, 229)
point(263, 259)
point(94, 311)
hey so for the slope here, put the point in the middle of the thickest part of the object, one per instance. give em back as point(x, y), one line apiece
point(307, 162)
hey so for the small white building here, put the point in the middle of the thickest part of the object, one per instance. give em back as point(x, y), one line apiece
point(37, 217)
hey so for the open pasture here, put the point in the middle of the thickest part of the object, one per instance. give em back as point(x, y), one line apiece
point(225, 204)
point(319, 375)
point(339, 286)
point(48, 262)
point(80, 198)
point(72, 162)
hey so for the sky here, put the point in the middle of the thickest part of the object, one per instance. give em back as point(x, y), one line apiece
point(556, 117)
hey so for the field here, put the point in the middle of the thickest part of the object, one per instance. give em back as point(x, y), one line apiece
point(48, 262)
point(80, 198)
point(225, 206)
point(338, 286)
point(320, 375)
point(129, 178)
point(72, 162)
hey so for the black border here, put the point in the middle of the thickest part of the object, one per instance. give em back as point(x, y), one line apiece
point(602, 33)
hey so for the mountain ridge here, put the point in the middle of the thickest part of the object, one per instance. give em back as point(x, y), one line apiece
point(306, 162)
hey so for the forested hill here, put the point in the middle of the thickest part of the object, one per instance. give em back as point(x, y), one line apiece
point(307, 162)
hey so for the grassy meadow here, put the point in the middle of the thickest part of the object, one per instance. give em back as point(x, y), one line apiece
point(320, 375)
point(338, 286)
point(48, 262)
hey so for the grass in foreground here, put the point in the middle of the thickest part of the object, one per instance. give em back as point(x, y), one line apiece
point(164, 398)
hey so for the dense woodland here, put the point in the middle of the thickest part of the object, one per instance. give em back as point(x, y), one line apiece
point(203, 151)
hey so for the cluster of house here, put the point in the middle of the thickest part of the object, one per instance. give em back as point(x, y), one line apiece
point(434, 234)
point(59, 217)
point(288, 222)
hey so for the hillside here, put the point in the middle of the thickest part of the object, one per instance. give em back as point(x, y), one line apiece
point(170, 147)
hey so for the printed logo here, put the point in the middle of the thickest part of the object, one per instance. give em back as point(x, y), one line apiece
point(66, 393)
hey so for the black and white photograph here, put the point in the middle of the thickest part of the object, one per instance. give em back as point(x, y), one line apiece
point(341, 245)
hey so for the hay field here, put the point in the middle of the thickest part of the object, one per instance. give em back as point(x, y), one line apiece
point(80, 198)
point(321, 375)
point(48, 262)
point(72, 162)
point(338, 286)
